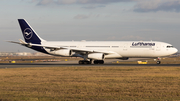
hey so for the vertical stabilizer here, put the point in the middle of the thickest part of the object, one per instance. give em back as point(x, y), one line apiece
point(29, 34)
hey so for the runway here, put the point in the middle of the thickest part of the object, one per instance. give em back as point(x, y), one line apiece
point(57, 64)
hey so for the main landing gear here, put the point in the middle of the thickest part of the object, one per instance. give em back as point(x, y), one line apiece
point(98, 61)
point(84, 62)
point(90, 62)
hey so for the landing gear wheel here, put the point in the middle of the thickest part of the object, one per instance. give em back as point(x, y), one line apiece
point(81, 62)
point(158, 62)
point(84, 62)
point(98, 62)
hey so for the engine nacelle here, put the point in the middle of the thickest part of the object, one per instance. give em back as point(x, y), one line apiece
point(63, 52)
point(96, 56)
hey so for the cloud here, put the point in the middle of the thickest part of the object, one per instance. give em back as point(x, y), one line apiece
point(93, 6)
point(157, 5)
point(45, 2)
point(139, 5)
point(81, 16)
point(60, 2)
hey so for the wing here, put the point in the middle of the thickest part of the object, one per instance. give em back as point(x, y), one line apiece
point(78, 50)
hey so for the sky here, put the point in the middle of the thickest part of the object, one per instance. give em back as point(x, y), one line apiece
point(91, 20)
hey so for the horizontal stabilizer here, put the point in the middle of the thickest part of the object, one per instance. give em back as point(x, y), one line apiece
point(15, 42)
point(23, 42)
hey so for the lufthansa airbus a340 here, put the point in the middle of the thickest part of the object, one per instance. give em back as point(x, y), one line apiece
point(94, 51)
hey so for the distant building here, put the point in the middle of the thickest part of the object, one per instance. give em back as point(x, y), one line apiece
point(22, 54)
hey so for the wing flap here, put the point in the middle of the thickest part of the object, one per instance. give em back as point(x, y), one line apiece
point(79, 50)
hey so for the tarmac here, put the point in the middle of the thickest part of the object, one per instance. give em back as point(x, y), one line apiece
point(75, 64)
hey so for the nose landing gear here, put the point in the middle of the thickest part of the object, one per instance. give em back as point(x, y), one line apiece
point(158, 60)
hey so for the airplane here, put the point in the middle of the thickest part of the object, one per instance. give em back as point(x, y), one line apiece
point(94, 51)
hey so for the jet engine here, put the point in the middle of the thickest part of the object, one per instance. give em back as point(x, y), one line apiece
point(96, 56)
point(63, 52)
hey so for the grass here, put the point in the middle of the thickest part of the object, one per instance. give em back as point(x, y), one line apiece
point(90, 83)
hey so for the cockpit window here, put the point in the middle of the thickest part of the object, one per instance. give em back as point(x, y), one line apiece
point(170, 47)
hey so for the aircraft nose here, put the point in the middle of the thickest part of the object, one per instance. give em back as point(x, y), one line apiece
point(175, 50)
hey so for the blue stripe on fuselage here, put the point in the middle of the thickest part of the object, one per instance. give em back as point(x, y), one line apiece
point(39, 49)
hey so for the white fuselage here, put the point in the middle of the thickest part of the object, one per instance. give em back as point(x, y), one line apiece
point(119, 49)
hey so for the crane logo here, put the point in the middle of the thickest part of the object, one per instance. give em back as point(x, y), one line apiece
point(28, 33)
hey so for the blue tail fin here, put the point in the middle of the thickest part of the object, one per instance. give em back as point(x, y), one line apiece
point(29, 34)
